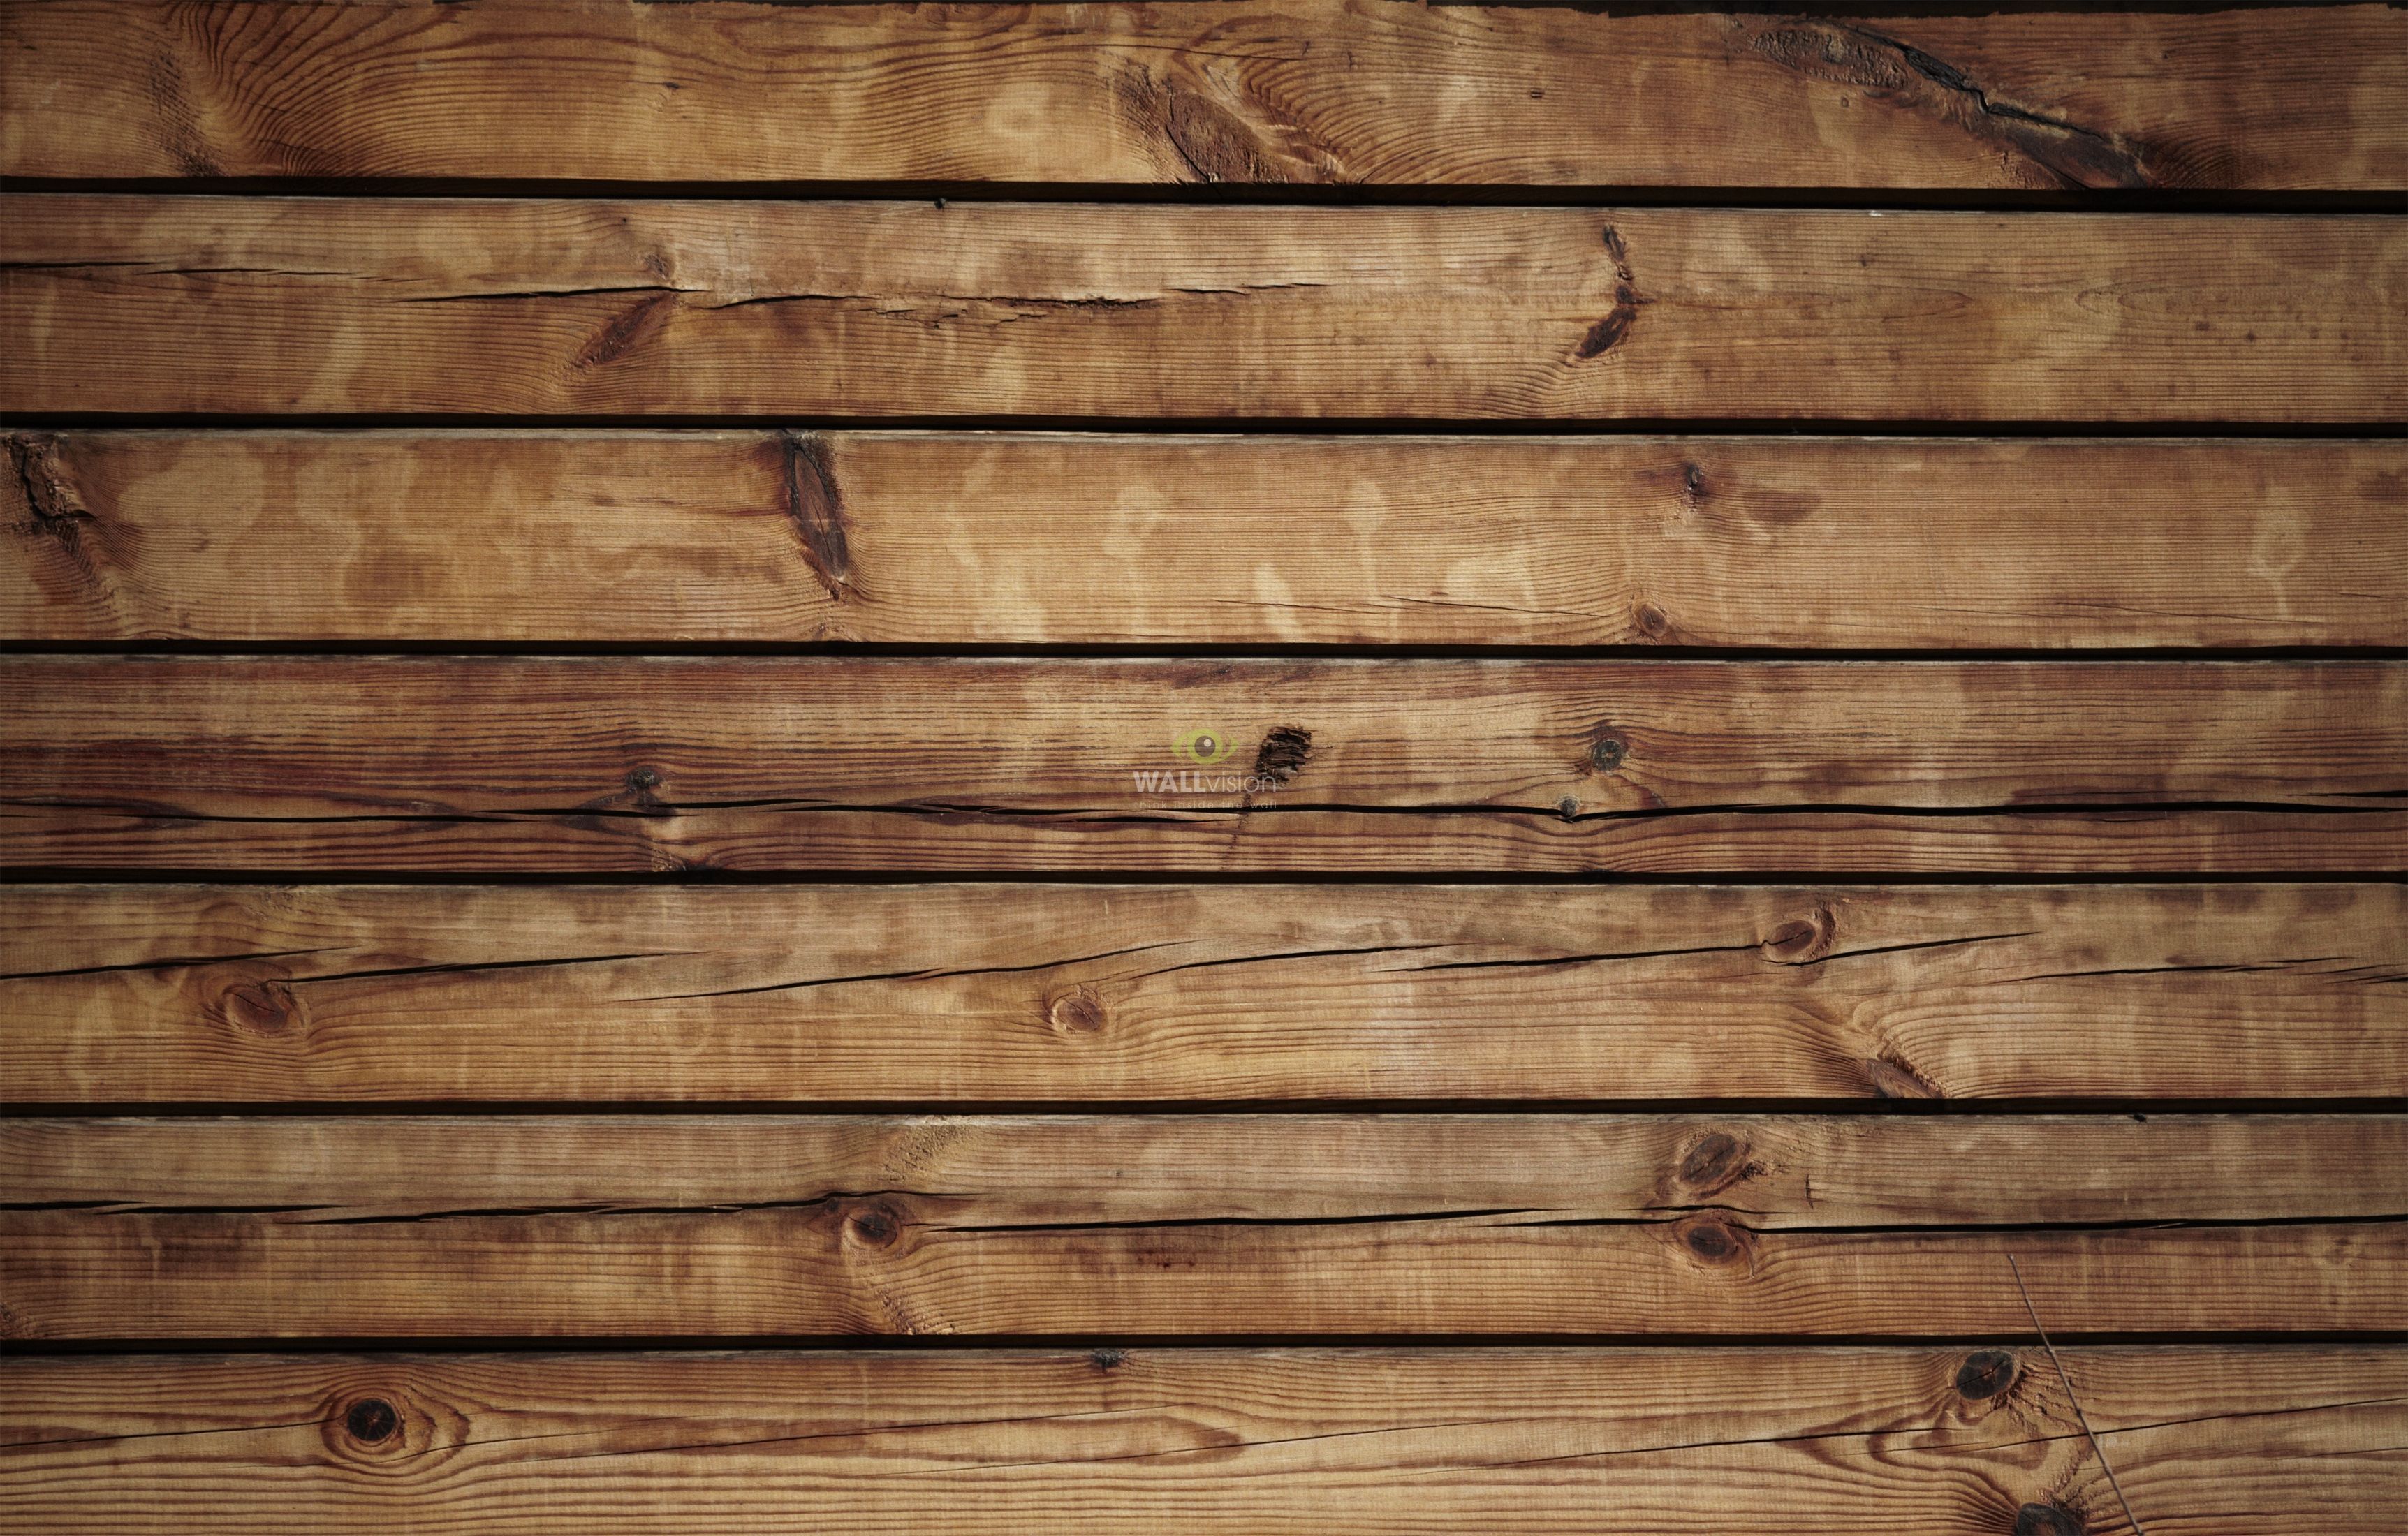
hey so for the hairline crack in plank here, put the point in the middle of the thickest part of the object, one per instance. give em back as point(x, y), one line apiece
point(826, 762)
point(1290, 1226)
point(1953, 1441)
point(189, 994)
point(1001, 310)
point(1300, 92)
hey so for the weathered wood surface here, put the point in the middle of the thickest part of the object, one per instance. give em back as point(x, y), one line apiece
point(999, 309)
point(1359, 1442)
point(996, 537)
point(959, 1172)
point(363, 1228)
point(831, 762)
point(1307, 91)
point(1025, 993)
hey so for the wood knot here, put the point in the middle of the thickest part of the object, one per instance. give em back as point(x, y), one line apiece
point(1107, 1360)
point(1651, 621)
point(1076, 1013)
point(1897, 1080)
point(262, 1007)
point(1986, 1375)
point(1283, 754)
point(1605, 751)
point(1608, 332)
point(873, 1226)
point(2047, 1520)
point(1714, 1162)
point(1801, 941)
point(371, 1421)
point(1713, 1241)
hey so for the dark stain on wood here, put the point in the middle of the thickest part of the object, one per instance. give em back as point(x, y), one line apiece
point(1715, 1162)
point(1609, 333)
point(1901, 74)
point(371, 1421)
point(2038, 1519)
point(873, 1226)
point(1717, 1243)
point(1283, 754)
point(815, 505)
point(1984, 1374)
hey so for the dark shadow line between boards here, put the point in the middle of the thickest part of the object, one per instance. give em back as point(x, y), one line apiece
point(1704, 197)
point(2172, 431)
point(2097, 1108)
point(1140, 652)
point(1106, 1343)
point(107, 875)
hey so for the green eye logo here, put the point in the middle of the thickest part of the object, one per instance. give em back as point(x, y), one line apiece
point(1203, 748)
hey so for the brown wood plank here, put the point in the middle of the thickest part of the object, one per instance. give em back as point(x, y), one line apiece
point(826, 763)
point(993, 537)
point(1247, 1225)
point(996, 309)
point(1772, 1173)
point(1306, 90)
point(1217, 1440)
point(169, 993)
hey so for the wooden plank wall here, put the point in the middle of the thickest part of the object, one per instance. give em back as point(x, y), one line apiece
point(1338, 766)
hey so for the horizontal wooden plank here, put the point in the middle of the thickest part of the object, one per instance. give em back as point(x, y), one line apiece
point(1306, 90)
point(823, 762)
point(1238, 1225)
point(1062, 993)
point(994, 537)
point(998, 310)
point(959, 1172)
point(1702, 1441)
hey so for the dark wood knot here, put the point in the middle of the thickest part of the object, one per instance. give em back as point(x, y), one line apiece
point(371, 1421)
point(1607, 751)
point(2047, 1520)
point(1985, 1373)
point(1713, 1161)
point(874, 1227)
point(1802, 941)
point(1713, 1241)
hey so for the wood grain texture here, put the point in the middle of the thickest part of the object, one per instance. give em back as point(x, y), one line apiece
point(1350, 1441)
point(1248, 1225)
point(964, 1174)
point(823, 762)
point(1027, 993)
point(944, 538)
point(999, 311)
point(1304, 91)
